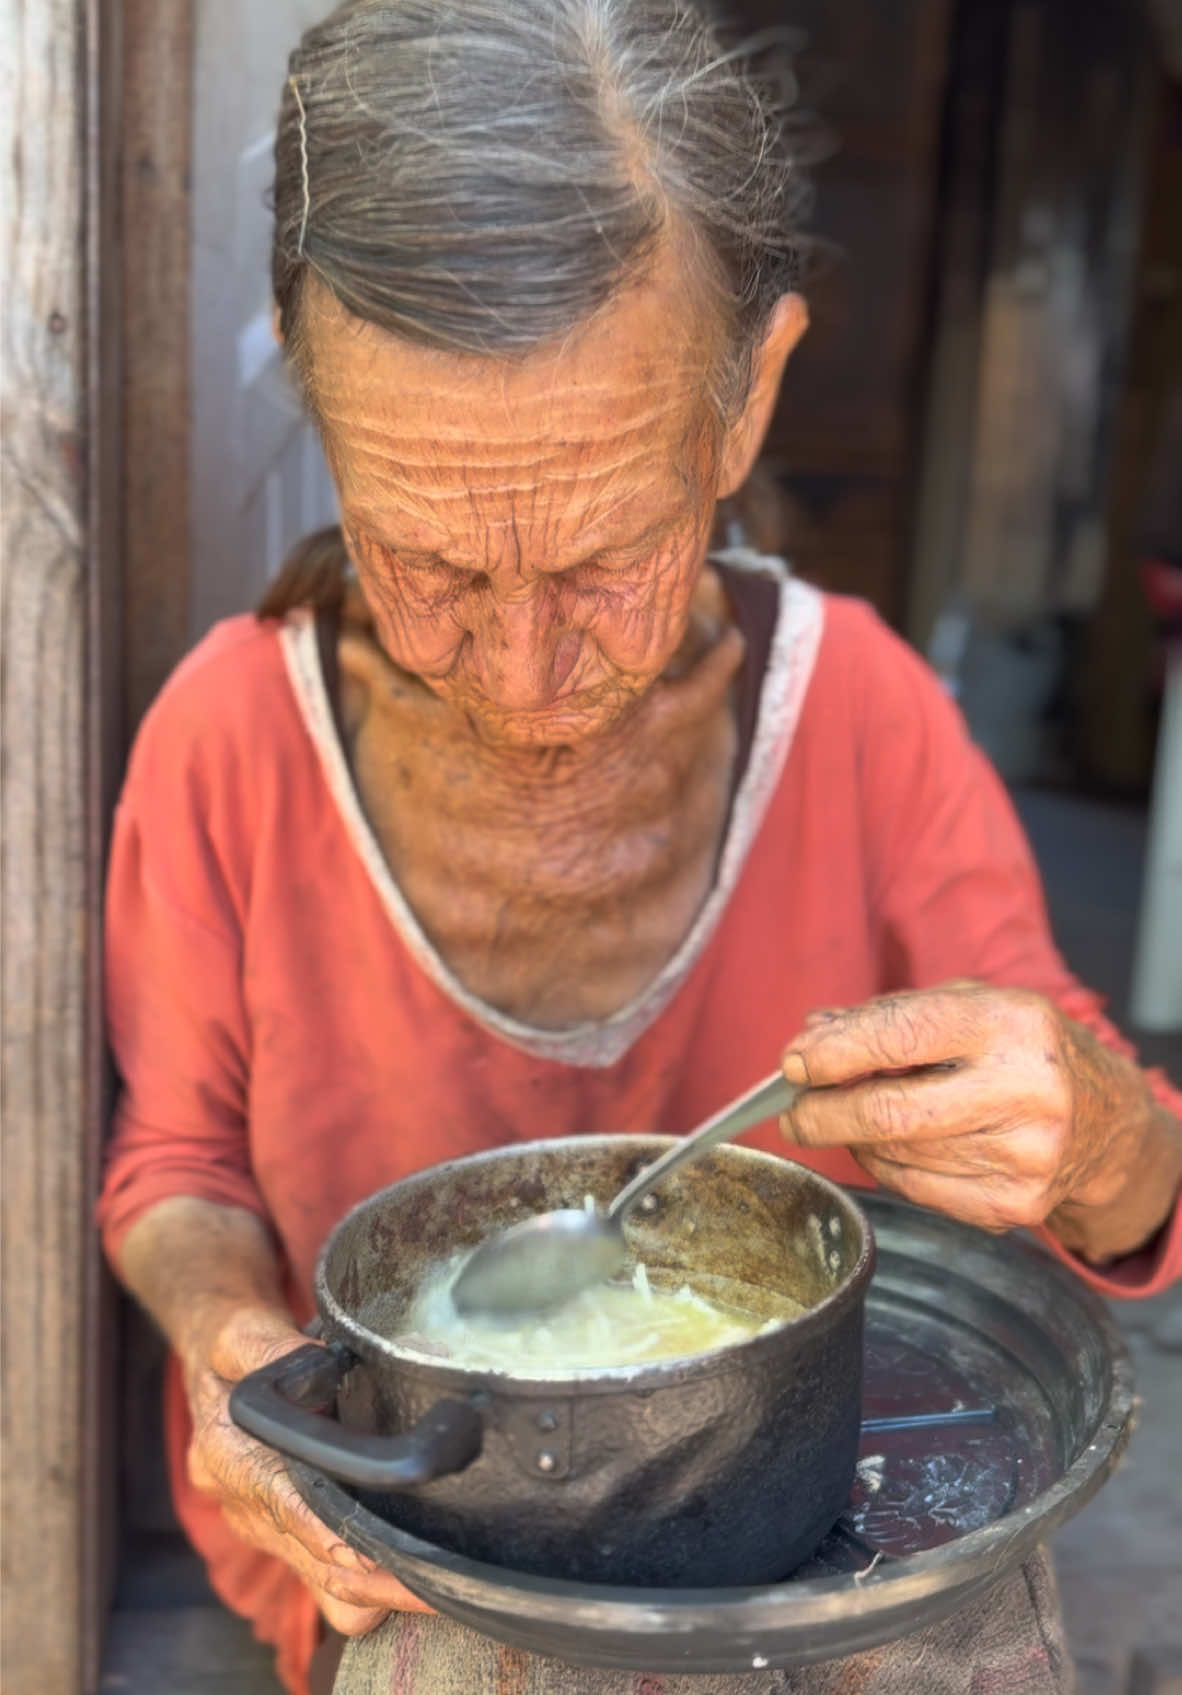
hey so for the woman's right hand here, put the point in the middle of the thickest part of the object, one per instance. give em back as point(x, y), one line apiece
point(251, 1484)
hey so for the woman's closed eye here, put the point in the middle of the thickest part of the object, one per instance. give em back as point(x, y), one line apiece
point(423, 576)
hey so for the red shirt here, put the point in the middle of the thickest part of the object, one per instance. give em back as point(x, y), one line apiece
point(288, 1043)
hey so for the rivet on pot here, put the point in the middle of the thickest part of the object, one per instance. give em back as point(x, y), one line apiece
point(650, 1203)
point(547, 1461)
point(547, 1420)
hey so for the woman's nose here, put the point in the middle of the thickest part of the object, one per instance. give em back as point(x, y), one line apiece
point(522, 651)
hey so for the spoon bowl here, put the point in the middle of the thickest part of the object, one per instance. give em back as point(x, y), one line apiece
point(540, 1263)
point(546, 1260)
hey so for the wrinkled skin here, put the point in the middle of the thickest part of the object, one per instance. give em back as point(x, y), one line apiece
point(1023, 1118)
point(530, 537)
point(542, 735)
point(250, 1483)
point(555, 888)
point(541, 729)
point(210, 1277)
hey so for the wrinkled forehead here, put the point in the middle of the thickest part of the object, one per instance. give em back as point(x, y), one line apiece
point(620, 403)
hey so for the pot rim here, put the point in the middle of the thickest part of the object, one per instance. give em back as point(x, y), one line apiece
point(368, 1345)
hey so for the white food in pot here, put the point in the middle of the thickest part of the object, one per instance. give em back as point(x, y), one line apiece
point(639, 1322)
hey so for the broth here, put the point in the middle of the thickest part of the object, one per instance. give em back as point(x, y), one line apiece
point(621, 1323)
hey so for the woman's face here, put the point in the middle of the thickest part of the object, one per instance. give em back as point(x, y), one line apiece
point(528, 535)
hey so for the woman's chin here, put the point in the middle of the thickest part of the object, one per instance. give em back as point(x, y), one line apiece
point(572, 722)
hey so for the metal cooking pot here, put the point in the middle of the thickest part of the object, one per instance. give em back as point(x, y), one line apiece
point(726, 1468)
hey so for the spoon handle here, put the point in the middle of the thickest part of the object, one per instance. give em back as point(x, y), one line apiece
point(773, 1096)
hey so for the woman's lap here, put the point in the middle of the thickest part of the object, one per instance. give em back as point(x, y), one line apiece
point(1009, 1642)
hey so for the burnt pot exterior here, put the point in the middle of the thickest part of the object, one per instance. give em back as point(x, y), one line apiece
point(723, 1470)
point(724, 1479)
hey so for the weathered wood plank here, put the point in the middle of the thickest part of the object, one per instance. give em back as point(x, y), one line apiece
point(1117, 673)
point(843, 437)
point(52, 731)
point(945, 452)
point(154, 292)
point(1167, 20)
point(1055, 309)
point(107, 746)
point(157, 143)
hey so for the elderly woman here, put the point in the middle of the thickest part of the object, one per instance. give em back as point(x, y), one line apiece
point(516, 811)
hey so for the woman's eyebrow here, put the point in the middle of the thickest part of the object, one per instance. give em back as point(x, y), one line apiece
point(661, 526)
point(597, 545)
point(366, 532)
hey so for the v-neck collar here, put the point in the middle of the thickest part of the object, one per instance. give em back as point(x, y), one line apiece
point(596, 1043)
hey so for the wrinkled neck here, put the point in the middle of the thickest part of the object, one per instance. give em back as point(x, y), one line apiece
point(679, 709)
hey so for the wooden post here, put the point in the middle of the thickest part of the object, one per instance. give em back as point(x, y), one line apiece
point(947, 437)
point(58, 548)
point(156, 144)
point(843, 439)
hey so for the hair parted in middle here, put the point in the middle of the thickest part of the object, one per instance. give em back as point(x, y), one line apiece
point(483, 176)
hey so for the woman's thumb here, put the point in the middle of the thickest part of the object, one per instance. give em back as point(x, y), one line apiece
point(253, 1337)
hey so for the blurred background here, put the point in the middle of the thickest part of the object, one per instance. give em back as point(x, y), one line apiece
point(971, 435)
point(981, 435)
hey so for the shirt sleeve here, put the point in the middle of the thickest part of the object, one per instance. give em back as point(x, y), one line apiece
point(174, 998)
point(956, 890)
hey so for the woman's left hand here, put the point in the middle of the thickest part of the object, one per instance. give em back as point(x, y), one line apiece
point(1026, 1119)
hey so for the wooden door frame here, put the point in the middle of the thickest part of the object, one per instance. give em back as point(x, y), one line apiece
point(59, 526)
point(94, 598)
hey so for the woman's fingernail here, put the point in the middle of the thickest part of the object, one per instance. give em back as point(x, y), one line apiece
point(794, 1067)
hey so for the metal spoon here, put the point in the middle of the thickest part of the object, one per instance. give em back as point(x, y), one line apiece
point(543, 1261)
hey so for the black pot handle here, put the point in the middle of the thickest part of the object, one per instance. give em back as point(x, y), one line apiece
point(275, 1405)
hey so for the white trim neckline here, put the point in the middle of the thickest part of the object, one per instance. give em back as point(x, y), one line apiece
point(601, 1043)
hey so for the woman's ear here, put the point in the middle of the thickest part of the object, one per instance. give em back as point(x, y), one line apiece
point(744, 435)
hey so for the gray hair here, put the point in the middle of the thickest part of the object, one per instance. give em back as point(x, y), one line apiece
point(484, 175)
